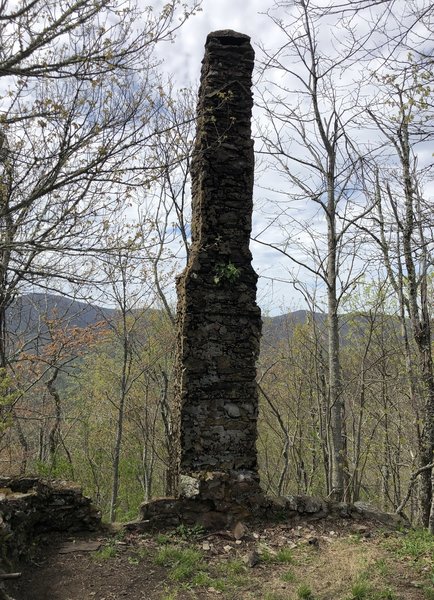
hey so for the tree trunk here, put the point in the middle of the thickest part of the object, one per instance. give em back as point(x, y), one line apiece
point(421, 328)
point(338, 450)
point(126, 357)
point(54, 435)
point(171, 440)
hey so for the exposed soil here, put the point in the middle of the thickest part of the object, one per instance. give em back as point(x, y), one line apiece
point(275, 562)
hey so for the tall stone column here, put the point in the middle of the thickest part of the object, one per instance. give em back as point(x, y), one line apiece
point(219, 323)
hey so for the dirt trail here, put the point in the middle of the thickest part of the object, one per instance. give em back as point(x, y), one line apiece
point(329, 558)
point(59, 571)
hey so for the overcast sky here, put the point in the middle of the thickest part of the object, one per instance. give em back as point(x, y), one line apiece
point(241, 15)
point(183, 60)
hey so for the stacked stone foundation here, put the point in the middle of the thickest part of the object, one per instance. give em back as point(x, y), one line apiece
point(215, 513)
point(30, 506)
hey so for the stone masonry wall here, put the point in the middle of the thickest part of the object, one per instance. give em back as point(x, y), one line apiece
point(30, 506)
point(219, 322)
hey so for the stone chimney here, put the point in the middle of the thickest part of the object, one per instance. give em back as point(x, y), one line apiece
point(219, 323)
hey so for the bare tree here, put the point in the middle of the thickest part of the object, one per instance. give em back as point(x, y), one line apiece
point(307, 136)
point(385, 30)
point(169, 191)
point(128, 290)
point(79, 93)
point(403, 229)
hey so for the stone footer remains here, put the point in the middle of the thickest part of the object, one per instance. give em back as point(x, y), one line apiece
point(215, 500)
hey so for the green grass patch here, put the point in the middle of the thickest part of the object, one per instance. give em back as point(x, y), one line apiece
point(355, 538)
point(429, 593)
point(288, 576)
point(106, 552)
point(232, 567)
point(417, 543)
point(170, 595)
point(382, 567)
point(282, 556)
point(184, 563)
point(266, 555)
point(304, 592)
point(142, 552)
point(233, 572)
point(189, 533)
point(304, 558)
point(162, 539)
point(360, 590)
point(363, 589)
point(203, 579)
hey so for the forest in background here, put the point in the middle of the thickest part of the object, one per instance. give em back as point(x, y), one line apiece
point(71, 387)
point(95, 147)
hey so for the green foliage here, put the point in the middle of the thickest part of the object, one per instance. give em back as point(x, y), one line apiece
point(170, 595)
point(189, 533)
point(233, 567)
point(142, 552)
point(94, 393)
point(203, 579)
point(226, 272)
point(355, 538)
point(417, 543)
point(429, 593)
point(382, 567)
point(8, 395)
point(61, 469)
point(364, 589)
point(234, 572)
point(360, 590)
point(162, 539)
point(106, 552)
point(304, 592)
point(284, 555)
point(182, 562)
point(288, 576)
point(225, 96)
point(186, 566)
point(267, 556)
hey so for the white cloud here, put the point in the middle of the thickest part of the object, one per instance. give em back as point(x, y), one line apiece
point(183, 59)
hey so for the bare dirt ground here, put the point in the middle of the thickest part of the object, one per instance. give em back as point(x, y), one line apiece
point(324, 560)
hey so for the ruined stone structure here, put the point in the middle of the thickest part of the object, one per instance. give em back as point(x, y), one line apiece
point(219, 323)
point(30, 506)
point(218, 319)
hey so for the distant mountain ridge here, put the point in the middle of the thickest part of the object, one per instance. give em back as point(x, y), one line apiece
point(29, 311)
point(27, 314)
